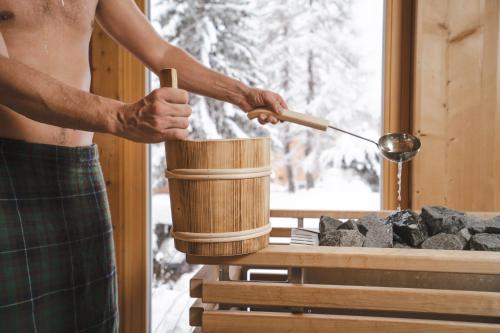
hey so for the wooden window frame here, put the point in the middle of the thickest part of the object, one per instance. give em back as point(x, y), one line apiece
point(399, 44)
point(117, 74)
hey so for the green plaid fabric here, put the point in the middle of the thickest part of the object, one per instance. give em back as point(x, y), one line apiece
point(57, 266)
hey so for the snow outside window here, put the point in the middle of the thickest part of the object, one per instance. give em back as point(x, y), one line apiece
point(325, 58)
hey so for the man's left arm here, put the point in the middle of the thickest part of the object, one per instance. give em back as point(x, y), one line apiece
point(127, 25)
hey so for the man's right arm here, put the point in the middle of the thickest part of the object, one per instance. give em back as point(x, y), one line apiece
point(162, 115)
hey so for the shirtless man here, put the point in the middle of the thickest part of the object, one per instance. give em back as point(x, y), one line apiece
point(56, 250)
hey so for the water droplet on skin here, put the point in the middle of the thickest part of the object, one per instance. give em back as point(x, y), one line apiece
point(62, 3)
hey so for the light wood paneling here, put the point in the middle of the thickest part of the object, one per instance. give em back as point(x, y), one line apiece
point(117, 75)
point(456, 106)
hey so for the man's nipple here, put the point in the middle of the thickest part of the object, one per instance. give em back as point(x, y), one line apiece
point(6, 15)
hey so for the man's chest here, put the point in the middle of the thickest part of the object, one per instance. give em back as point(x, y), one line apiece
point(75, 14)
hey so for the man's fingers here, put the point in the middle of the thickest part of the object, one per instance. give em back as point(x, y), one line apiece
point(181, 110)
point(282, 102)
point(170, 95)
point(262, 119)
point(161, 108)
point(278, 108)
point(176, 122)
point(273, 120)
point(176, 134)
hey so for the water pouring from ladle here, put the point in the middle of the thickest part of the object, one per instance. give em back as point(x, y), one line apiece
point(396, 147)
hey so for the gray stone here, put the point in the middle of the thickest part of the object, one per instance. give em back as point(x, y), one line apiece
point(348, 225)
point(492, 226)
point(342, 238)
point(399, 245)
point(444, 241)
point(327, 223)
point(485, 242)
point(377, 231)
point(396, 238)
point(440, 219)
point(408, 227)
point(465, 235)
point(477, 225)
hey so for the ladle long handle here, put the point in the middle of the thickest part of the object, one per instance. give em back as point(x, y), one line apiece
point(293, 117)
point(355, 135)
point(168, 78)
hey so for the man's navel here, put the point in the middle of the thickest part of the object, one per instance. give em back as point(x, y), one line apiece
point(6, 15)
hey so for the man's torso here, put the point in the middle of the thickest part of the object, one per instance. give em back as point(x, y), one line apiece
point(51, 36)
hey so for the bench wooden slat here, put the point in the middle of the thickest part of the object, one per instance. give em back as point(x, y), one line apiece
point(196, 312)
point(207, 272)
point(353, 297)
point(363, 258)
point(252, 322)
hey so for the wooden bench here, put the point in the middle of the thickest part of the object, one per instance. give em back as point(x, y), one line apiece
point(303, 289)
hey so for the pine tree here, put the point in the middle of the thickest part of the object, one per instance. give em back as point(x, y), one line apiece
point(277, 31)
point(217, 33)
point(308, 58)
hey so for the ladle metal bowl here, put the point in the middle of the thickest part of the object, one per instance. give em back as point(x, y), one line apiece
point(396, 147)
point(399, 147)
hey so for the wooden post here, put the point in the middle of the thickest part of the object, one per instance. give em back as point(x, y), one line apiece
point(116, 74)
point(398, 62)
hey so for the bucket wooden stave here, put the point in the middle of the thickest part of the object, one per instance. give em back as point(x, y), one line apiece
point(219, 195)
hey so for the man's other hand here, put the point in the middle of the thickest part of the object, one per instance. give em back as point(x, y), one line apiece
point(258, 98)
point(162, 115)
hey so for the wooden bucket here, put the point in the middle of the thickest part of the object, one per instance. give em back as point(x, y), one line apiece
point(219, 195)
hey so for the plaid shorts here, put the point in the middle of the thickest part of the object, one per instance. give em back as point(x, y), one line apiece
point(57, 261)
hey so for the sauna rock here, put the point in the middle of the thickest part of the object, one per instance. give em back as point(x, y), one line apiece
point(475, 224)
point(485, 242)
point(408, 227)
point(440, 219)
point(342, 238)
point(444, 241)
point(327, 223)
point(465, 235)
point(377, 232)
point(493, 226)
point(399, 245)
point(348, 225)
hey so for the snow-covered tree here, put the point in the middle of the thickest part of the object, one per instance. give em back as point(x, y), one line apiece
point(303, 50)
point(277, 32)
point(217, 33)
point(310, 59)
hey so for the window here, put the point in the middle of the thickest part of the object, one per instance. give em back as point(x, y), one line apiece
point(325, 58)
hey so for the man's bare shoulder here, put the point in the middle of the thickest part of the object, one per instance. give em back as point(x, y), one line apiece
point(77, 14)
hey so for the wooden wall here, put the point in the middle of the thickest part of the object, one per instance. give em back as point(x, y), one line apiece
point(456, 104)
point(116, 74)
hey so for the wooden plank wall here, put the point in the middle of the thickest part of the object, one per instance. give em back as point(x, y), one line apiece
point(116, 74)
point(456, 104)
